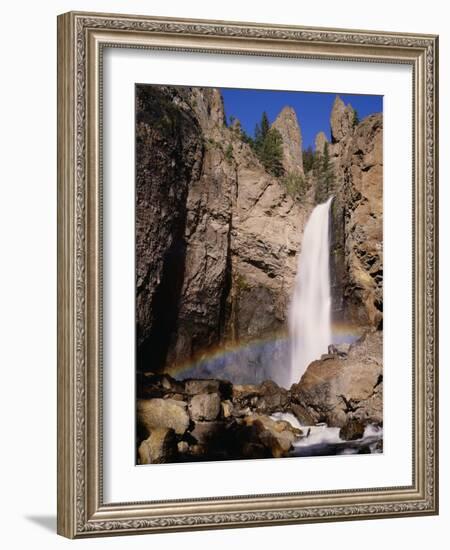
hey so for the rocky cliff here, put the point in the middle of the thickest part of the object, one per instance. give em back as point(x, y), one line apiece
point(203, 309)
point(217, 236)
point(169, 153)
point(320, 142)
point(287, 124)
point(342, 120)
point(356, 154)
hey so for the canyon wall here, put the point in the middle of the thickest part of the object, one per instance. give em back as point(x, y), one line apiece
point(217, 236)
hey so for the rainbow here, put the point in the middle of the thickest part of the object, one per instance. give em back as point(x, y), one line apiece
point(215, 358)
point(225, 350)
point(348, 330)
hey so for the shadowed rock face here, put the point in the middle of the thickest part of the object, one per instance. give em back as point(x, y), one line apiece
point(208, 206)
point(216, 237)
point(357, 225)
point(356, 247)
point(169, 154)
point(362, 194)
point(338, 266)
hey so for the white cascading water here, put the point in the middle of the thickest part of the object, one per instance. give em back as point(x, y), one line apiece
point(310, 308)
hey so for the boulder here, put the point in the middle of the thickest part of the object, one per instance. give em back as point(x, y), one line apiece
point(194, 387)
point(197, 450)
point(227, 408)
point(160, 447)
point(205, 406)
point(151, 384)
point(352, 429)
point(207, 433)
point(273, 398)
point(252, 450)
point(265, 398)
point(175, 396)
point(342, 349)
point(163, 413)
point(337, 389)
point(245, 391)
point(183, 447)
point(302, 414)
point(277, 436)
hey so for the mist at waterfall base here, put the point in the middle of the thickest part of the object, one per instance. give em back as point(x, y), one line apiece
point(254, 362)
point(284, 357)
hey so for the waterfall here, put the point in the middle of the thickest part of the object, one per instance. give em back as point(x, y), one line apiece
point(310, 308)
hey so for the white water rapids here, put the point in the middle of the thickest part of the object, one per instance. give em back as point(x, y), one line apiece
point(321, 440)
point(310, 308)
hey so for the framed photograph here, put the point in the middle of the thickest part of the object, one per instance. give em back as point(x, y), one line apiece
point(247, 276)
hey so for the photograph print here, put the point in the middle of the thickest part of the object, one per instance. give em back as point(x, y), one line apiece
point(259, 274)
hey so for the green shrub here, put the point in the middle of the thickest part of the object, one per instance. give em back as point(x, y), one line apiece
point(295, 184)
point(229, 153)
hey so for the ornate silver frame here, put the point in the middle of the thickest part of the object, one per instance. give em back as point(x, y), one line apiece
point(81, 510)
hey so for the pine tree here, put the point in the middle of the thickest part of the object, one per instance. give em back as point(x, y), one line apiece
point(265, 126)
point(271, 152)
point(324, 173)
point(246, 138)
point(308, 159)
point(261, 131)
point(328, 172)
point(268, 146)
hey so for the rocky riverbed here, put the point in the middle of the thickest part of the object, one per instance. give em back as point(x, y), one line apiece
point(336, 408)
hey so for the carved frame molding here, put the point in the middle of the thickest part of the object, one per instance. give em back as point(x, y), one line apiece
point(81, 39)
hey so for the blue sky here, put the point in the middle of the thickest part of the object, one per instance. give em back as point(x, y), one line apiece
point(313, 109)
